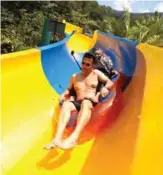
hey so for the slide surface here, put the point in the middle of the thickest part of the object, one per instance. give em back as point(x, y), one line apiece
point(31, 83)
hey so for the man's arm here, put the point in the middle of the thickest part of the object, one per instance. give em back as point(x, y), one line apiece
point(103, 78)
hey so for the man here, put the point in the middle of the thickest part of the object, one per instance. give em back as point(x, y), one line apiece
point(85, 84)
point(104, 63)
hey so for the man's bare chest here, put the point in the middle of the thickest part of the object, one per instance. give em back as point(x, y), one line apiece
point(83, 83)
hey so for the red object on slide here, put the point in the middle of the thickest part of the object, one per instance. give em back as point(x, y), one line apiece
point(103, 114)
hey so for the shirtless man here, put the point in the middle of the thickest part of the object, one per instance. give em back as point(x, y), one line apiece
point(85, 84)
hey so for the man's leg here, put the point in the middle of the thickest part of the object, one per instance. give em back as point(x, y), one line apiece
point(63, 121)
point(83, 118)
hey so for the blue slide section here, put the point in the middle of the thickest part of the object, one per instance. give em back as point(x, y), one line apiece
point(133, 43)
point(121, 51)
point(59, 65)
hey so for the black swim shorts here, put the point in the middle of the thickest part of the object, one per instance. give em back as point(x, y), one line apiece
point(77, 103)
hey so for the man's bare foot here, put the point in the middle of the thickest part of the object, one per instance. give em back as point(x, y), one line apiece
point(49, 146)
point(68, 143)
point(52, 145)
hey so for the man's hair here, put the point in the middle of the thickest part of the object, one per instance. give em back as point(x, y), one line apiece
point(90, 56)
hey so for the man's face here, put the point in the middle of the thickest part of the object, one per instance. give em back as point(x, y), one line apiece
point(87, 64)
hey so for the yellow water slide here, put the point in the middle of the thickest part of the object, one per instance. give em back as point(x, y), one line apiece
point(132, 146)
point(79, 42)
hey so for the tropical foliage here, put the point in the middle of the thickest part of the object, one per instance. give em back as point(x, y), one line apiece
point(22, 22)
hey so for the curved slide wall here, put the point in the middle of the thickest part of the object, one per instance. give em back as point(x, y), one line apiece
point(31, 81)
point(122, 52)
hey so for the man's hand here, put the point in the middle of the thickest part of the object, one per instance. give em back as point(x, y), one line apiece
point(104, 92)
point(114, 72)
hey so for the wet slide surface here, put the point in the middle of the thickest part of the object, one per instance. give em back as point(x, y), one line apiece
point(31, 83)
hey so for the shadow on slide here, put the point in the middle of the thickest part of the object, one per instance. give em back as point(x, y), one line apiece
point(54, 159)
